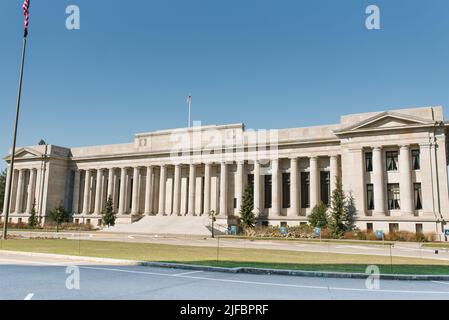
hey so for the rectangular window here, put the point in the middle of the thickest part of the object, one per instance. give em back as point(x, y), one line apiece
point(416, 162)
point(394, 227)
point(251, 182)
point(267, 191)
point(418, 228)
point(370, 196)
point(283, 224)
point(285, 190)
point(235, 203)
point(325, 187)
point(369, 227)
point(392, 160)
point(394, 202)
point(305, 189)
point(418, 196)
point(368, 161)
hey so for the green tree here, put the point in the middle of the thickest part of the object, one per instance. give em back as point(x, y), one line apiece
point(2, 187)
point(351, 212)
point(337, 225)
point(108, 213)
point(32, 219)
point(319, 217)
point(247, 217)
point(59, 215)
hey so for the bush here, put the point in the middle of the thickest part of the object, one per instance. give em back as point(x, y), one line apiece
point(319, 217)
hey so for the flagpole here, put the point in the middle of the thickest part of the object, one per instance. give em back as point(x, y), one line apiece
point(11, 167)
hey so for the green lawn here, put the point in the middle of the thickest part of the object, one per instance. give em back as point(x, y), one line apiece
point(228, 257)
point(436, 245)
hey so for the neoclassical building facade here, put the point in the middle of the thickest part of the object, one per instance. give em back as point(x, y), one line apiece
point(394, 163)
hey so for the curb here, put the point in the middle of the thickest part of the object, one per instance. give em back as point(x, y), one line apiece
point(245, 270)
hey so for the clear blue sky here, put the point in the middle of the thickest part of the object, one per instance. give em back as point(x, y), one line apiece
point(269, 64)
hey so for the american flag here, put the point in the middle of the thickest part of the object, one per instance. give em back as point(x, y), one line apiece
point(26, 13)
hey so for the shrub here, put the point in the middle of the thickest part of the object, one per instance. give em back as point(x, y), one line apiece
point(319, 217)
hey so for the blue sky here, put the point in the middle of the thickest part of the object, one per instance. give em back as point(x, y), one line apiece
point(269, 64)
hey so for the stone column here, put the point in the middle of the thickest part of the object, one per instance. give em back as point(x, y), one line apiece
point(177, 190)
point(207, 176)
point(30, 191)
point(8, 174)
point(223, 191)
point(148, 193)
point(239, 183)
point(110, 183)
point(314, 182)
point(98, 188)
point(86, 192)
point(257, 194)
point(294, 194)
point(76, 192)
point(135, 195)
point(378, 182)
point(333, 173)
point(162, 188)
point(192, 177)
point(405, 185)
point(122, 200)
point(20, 187)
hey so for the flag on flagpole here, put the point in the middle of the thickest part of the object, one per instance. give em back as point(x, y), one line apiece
point(189, 99)
point(26, 13)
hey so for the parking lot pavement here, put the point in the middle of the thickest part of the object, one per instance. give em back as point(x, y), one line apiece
point(52, 278)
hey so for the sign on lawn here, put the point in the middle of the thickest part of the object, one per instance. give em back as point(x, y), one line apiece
point(446, 232)
point(379, 234)
point(317, 231)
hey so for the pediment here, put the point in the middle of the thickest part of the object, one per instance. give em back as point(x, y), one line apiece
point(24, 153)
point(386, 120)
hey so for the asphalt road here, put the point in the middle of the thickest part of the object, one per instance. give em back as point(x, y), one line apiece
point(39, 278)
point(400, 249)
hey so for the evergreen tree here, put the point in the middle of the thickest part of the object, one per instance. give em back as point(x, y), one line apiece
point(59, 215)
point(337, 225)
point(351, 212)
point(2, 187)
point(32, 219)
point(108, 213)
point(247, 217)
point(319, 217)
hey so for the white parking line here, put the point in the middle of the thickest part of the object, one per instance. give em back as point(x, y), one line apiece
point(185, 273)
point(29, 296)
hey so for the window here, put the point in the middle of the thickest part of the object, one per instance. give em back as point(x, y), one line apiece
point(235, 203)
point(369, 227)
point(325, 187)
point(285, 190)
point(418, 196)
point(370, 196)
point(394, 227)
point(283, 224)
point(267, 191)
point(251, 183)
point(394, 202)
point(392, 160)
point(416, 162)
point(368, 161)
point(305, 189)
point(418, 228)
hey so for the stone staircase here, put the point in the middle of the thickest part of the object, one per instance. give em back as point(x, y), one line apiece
point(176, 225)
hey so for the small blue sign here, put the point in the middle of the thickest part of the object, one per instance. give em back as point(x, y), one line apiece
point(233, 230)
point(379, 234)
point(317, 231)
point(446, 232)
point(283, 231)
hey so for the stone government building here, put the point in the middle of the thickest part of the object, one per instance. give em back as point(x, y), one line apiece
point(394, 163)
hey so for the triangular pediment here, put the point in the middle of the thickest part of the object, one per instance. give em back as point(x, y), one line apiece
point(386, 120)
point(24, 153)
